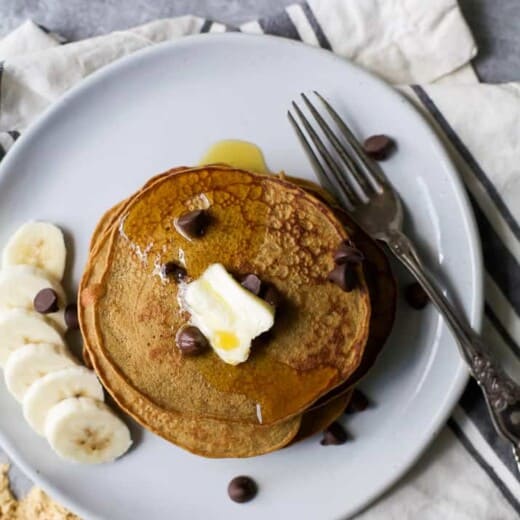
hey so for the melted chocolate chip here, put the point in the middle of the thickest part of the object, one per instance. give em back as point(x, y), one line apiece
point(334, 434)
point(193, 224)
point(347, 252)
point(173, 270)
point(358, 402)
point(191, 341)
point(242, 489)
point(252, 283)
point(46, 301)
point(379, 147)
point(271, 295)
point(71, 316)
point(344, 275)
point(415, 296)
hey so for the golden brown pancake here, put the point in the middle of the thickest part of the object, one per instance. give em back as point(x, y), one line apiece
point(260, 224)
point(209, 437)
point(378, 273)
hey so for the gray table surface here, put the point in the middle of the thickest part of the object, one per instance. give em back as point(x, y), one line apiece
point(495, 24)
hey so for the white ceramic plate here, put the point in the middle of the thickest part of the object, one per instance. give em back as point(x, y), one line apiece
point(163, 107)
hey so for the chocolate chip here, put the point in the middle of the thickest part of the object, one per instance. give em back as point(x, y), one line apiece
point(242, 489)
point(334, 434)
point(379, 147)
point(173, 270)
point(271, 295)
point(344, 275)
point(71, 316)
point(252, 283)
point(358, 402)
point(347, 252)
point(191, 341)
point(193, 224)
point(415, 296)
point(46, 301)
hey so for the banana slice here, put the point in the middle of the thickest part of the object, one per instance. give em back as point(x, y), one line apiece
point(30, 362)
point(87, 431)
point(19, 327)
point(49, 390)
point(19, 284)
point(39, 244)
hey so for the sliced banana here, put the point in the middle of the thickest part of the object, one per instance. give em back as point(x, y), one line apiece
point(30, 362)
point(87, 431)
point(19, 284)
point(39, 244)
point(49, 390)
point(19, 327)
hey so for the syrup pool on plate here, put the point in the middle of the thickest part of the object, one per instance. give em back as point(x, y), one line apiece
point(236, 153)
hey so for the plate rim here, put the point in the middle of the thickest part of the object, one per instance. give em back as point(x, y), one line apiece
point(468, 221)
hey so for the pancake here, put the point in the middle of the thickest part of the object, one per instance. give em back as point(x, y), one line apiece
point(237, 441)
point(262, 225)
point(378, 273)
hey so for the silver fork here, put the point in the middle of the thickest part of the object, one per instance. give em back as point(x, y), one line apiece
point(377, 208)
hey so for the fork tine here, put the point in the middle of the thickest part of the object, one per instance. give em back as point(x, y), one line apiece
point(318, 167)
point(354, 143)
point(334, 168)
point(343, 153)
point(324, 176)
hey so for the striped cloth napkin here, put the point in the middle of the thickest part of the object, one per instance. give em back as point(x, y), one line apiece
point(468, 472)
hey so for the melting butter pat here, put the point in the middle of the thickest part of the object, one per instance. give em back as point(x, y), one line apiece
point(226, 313)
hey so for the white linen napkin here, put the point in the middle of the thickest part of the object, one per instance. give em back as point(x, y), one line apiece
point(468, 472)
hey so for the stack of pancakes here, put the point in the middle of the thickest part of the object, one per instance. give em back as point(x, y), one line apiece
point(299, 377)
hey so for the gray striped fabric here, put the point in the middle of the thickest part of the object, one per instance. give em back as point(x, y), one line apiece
point(503, 268)
point(499, 230)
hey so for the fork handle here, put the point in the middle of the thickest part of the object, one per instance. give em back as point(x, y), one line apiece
point(502, 394)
